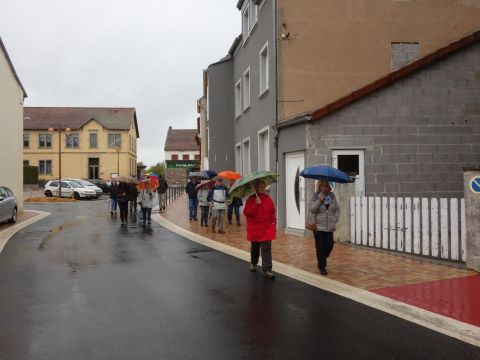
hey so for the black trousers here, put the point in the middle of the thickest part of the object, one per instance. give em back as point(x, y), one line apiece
point(231, 208)
point(133, 205)
point(147, 214)
point(266, 248)
point(123, 205)
point(324, 246)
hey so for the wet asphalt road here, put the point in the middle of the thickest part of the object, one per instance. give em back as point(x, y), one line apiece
point(77, 286)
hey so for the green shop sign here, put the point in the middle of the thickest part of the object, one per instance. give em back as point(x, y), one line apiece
point(182, 164)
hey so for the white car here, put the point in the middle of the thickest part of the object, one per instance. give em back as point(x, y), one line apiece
point(88, 185)
point(69, 189)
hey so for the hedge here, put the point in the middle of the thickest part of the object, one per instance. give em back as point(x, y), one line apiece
point(30, 175)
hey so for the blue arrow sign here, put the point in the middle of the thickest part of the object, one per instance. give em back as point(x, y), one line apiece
point(475, 185)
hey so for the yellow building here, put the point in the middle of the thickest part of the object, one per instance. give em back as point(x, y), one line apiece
point(95, 143)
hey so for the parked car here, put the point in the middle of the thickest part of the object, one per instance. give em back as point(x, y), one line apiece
point(8, 205)
point(69, 189)
point(88, 185)
point(102, 184)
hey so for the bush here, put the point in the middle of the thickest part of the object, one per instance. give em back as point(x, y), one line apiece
point(30, 175)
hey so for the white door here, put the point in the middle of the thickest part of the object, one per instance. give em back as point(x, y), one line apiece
point(295, 190)
point(353, 163)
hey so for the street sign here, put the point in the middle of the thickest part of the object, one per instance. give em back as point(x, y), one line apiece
point(182, 164)
point(475, 185)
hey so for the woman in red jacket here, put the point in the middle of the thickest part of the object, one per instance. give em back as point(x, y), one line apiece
point(261, 228)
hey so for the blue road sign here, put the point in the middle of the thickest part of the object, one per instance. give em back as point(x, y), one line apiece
point(475, 185)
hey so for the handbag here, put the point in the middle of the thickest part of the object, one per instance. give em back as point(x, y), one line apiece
point(311, 223)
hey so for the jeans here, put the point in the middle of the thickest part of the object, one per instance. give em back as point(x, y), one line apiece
point(147, 214)
point(266, 248)
point(231, 208)
point(113, 205)
point(205, 210)
point(192, 206)
point(324, 246)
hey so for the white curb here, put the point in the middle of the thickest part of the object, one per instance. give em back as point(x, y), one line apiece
point(6, 234)
point(436, 322)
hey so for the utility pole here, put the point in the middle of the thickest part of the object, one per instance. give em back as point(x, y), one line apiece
point(59, 130)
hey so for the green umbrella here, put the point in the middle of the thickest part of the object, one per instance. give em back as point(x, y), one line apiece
point(246, 185)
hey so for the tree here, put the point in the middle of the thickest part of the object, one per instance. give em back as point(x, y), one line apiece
point(159, 168)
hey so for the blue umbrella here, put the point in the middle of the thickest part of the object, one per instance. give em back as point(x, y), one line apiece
point(210, 174)
point(325, 172)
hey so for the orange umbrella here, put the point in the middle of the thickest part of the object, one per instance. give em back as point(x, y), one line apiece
point(150, 183)
point(230, 175)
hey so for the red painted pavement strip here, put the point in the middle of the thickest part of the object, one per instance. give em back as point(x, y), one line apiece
point(457, 298)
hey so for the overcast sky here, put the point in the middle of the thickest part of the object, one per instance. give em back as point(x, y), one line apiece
point(148, 54)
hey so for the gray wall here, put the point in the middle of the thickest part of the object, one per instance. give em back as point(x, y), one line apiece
point(290, 139)
point(261, 112)
point(220, 116)
point(418, 133)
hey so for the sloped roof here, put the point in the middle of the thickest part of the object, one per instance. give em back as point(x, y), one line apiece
point(41, 118)
point(393, 76)
point(182, 140)
point(4, 49)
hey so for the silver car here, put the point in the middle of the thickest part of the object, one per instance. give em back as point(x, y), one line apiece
point(8, 205)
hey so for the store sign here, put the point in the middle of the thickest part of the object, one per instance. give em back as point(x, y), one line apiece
point(182, 164)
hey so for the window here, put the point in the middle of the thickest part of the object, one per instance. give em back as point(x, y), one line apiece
point(174, 157)
point(264, 69)
point(114, 140)
point(26, 163)
point(197, 157)
point(93, 141)
point(72, 140)
point(246, 157)
point(26, 140)
point(249, 18)
point(238, 98)
point(186, 157)
point(45, 167)
point(263, 150)
point(402, 54)
point(238, 157)
point(246, 89)
point(45, 140)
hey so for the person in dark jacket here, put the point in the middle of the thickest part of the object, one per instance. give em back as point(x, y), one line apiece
point(162, 193)
point(113, 198)
point(191, 190)
point(122, 197)
point(132, 197)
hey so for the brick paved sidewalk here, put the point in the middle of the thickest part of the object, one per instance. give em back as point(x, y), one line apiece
point(363, 268)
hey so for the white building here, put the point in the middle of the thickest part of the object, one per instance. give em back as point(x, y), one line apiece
point(12, 95)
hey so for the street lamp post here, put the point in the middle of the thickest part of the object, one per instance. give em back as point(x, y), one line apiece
point(117, 149)
point(59, 130)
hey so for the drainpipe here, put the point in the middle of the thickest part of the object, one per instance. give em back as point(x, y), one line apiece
point(275, 100)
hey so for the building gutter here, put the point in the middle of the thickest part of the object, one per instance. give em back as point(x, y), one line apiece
point(299, 119)
point(275, 100)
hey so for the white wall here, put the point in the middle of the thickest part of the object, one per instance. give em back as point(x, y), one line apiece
point(11, 133)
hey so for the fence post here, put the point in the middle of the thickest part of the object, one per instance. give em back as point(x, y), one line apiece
point(472, 214)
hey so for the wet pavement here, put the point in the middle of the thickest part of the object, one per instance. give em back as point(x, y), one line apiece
point(78, 286)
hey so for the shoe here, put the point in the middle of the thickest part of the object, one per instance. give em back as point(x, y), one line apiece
point(268, 274)
point(111, 213)
point(221, 231)
point(238, 224)
point(229, 222)
point(195, 219)
point(252, 267)
point(323, 272)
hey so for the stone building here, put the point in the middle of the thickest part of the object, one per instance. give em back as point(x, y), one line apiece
point(182, 155)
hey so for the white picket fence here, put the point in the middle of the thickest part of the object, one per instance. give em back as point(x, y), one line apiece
point(421, 226)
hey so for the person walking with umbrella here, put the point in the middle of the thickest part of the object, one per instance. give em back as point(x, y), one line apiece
point(146, 197)
point(261, 228)
point(162, 193)
point(234, 205)
point(113, 198)
point(218, 197)
point(324, 211)
point(203, 190)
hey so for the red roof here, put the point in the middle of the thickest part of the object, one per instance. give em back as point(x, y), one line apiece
point(394, 76)
point(182, 140)
point(42, 118)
